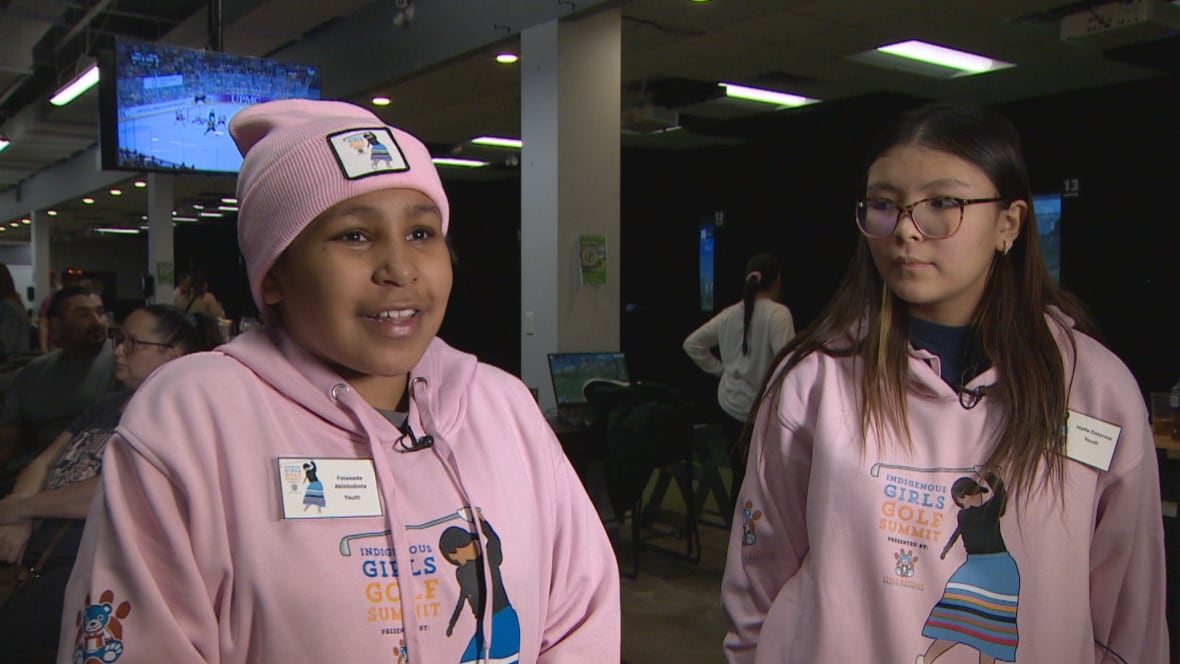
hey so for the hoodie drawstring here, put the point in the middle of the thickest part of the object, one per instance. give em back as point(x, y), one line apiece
point(349, 399)
point(446, 457)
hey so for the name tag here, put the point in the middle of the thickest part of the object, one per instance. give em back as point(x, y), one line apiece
point(317, 488)
point(1090, 441)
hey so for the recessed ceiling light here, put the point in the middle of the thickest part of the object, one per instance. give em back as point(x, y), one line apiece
point(26, 221)
point(381, 101)
point(139, 184)
point(198, 206)
point(88, 201)
point(14, 224)
point(4, 143)
point(116, 192)
point(52, 213)
point(498, 142)
point(507, 58)
point(460, 163)
point(782, 99)
point(3, 229)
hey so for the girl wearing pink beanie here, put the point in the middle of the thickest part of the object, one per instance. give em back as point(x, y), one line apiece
point(200, 547)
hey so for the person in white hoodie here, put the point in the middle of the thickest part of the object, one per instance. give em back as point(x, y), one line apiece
point(747, 336)
point(950, 393)
point(200, 546)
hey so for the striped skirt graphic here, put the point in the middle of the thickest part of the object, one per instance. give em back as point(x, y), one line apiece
point(978, 606)
point(314, 494)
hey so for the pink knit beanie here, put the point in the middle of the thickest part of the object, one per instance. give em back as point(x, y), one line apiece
point(301, 157)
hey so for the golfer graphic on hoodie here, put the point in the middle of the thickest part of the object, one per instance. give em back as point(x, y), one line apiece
point(461, 548)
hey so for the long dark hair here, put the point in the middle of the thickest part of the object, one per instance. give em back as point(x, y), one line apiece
point(866, 321)
point(8, 286)
point(762, 271)
point(191, 333)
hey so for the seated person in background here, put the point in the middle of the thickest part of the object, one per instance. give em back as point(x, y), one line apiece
point(53, 493)
point(15, 329)
point(47, 338)
point(53, 389)
point(198, 299)
point(182, 293)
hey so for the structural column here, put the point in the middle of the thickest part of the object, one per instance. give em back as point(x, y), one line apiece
point(40, 234)
point(161, 263)
point(570, 98)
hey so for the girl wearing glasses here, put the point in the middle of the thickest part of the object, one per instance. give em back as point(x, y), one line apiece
point(947, 349)
point(47, 508)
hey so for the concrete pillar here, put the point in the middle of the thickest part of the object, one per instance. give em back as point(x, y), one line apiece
point(161, 263)
point(39, 234)
point(570, 99)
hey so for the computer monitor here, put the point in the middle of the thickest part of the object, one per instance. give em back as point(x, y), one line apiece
point(570, 371)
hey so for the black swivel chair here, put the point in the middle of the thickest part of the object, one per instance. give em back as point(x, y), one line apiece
point(645, 427)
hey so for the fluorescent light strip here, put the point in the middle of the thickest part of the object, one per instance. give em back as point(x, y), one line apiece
point(189, 219)
point(76, 87)
point(230, 201)
point(209, 214)
point(766, 96)
point(498, 142)
point(227, 208)
point(4, 143)
point(118, 231)
point(461, 163)
point(939, 55)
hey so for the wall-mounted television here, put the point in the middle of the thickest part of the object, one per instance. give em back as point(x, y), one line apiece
point(165, 108)
point(706, 253)
point(1048, 209)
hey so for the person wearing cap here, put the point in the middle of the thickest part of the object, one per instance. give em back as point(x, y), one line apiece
point(199, 547)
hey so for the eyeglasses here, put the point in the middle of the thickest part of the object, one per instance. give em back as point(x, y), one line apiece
point(935, 218)
point(130, 343)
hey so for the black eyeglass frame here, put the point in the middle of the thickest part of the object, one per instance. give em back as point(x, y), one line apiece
point(118, 339)
point(902, 210)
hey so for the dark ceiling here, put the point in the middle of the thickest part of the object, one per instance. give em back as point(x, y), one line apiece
point(674, 54)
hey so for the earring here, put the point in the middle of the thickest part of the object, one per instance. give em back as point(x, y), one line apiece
point(1006, 248)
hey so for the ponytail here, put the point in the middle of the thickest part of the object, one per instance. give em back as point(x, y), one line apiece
point(753, 282)
point(762, 271)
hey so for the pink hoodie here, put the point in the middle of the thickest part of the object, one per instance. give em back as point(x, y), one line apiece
point(188, 557)
point(835, 554)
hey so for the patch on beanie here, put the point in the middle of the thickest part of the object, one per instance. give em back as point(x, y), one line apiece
point(366, 151)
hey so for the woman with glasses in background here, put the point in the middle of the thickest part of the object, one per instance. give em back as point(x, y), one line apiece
point(948, 358)
point(47, 508)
